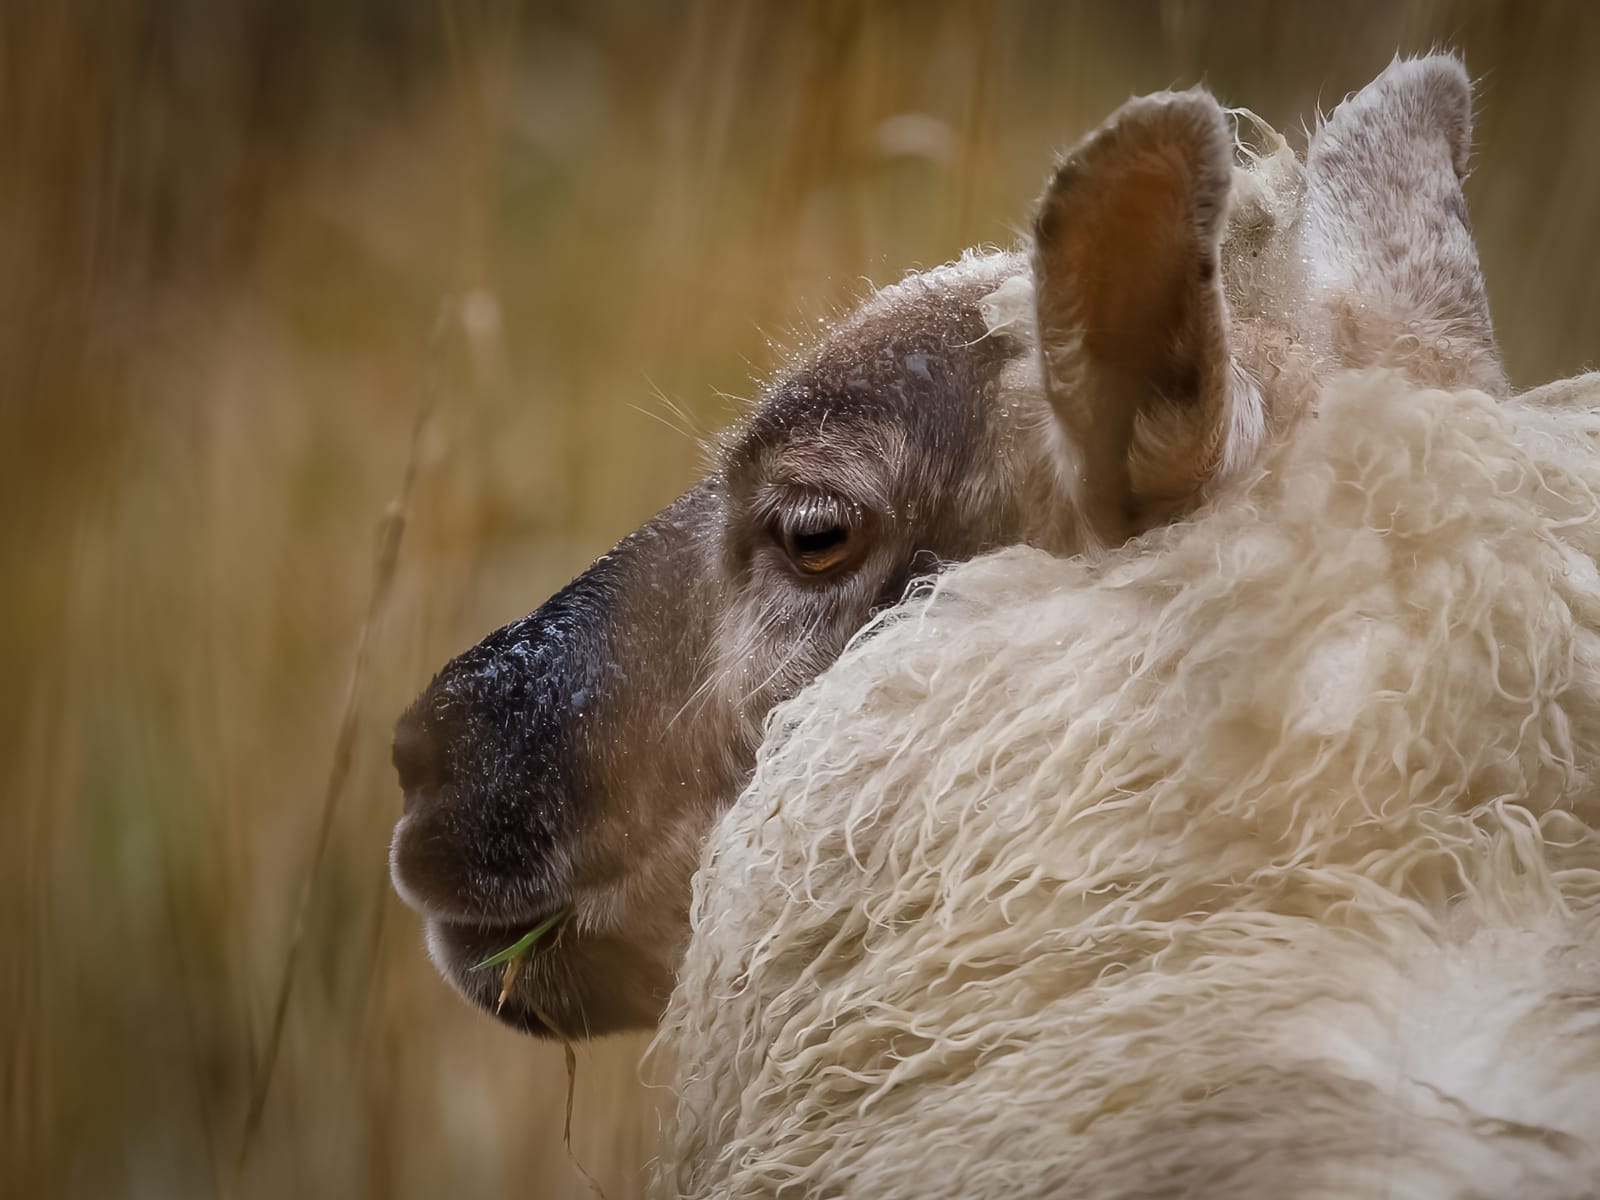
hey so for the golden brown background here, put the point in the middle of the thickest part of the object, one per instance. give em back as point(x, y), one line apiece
point(243, 244)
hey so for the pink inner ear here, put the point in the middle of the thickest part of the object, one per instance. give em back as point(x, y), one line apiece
point(1132, 259)
point(1130, 309)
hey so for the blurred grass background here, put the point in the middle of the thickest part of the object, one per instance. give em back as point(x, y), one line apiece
point(242, 244)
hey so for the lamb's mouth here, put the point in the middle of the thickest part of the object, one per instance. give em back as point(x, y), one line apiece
point(515, 988)
point(578, 982)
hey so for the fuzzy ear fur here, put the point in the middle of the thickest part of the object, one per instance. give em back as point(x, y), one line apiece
point(1390, 227)
point(1131, 318)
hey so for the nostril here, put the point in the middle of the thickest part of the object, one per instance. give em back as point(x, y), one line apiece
point(418, 758)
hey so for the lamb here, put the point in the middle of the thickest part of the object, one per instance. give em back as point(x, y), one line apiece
point(1234, 832)
point(1259, 857)
point(1174, 311)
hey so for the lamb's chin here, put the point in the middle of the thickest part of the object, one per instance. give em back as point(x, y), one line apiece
point(575, 986)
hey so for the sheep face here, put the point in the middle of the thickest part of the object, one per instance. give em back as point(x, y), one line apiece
point(1112, 376)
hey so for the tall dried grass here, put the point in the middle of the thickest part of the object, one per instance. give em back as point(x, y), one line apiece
point(226, 232)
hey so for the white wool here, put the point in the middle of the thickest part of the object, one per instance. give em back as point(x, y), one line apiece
point(1260, 858)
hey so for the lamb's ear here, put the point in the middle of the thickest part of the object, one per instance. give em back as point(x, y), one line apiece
point(1389, 227)
point(1132, 325)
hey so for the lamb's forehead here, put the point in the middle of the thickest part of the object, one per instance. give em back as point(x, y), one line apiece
point(907, 364)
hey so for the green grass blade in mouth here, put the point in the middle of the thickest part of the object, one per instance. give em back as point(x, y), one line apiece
point(523, 944)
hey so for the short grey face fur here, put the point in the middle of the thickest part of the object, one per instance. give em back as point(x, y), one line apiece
point(1119, 370)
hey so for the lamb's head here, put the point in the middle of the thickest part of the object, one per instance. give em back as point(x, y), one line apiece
point(1109, 378)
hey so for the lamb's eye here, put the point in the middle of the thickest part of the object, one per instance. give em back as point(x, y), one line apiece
point(820, 539)
point(818, 551)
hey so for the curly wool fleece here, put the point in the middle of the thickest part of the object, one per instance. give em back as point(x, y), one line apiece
point(1260, 858)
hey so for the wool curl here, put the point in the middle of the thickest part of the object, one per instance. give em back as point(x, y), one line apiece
point(1258, 858)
